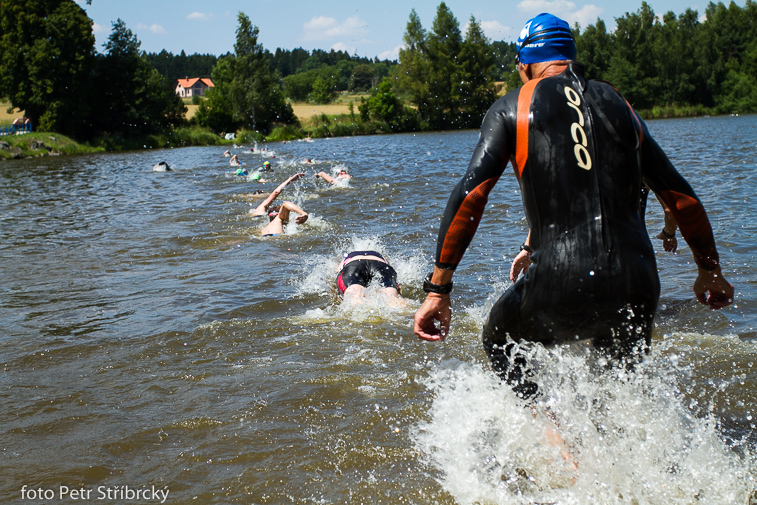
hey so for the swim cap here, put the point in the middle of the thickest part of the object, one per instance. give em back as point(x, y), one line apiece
point(255, 176)
point(240, 171)
point(546, 38)
point(267, 163)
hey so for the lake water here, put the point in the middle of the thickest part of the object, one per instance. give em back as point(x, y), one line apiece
point(149, 337)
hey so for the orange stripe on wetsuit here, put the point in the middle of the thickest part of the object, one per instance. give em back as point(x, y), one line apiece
point(465, 223)
point(523, 121)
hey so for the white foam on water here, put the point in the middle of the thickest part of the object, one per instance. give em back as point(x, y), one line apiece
point(629, 434)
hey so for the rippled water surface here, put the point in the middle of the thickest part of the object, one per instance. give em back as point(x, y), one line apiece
point(151, 337)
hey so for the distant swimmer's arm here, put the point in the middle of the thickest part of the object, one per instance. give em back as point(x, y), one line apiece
point(326, 177)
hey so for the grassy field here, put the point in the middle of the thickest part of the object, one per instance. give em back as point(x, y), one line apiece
point(304, 110)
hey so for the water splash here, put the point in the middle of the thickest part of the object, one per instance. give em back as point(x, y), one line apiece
point(628, 431)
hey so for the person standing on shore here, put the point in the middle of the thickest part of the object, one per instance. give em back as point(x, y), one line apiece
point(579, 152)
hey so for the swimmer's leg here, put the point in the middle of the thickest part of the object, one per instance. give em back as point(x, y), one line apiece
point(508, 360)
point(354, 294)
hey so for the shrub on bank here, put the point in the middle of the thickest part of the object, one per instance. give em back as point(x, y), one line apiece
point(41, 144)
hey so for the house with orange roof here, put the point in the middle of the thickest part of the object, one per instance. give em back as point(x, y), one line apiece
point(189, 87)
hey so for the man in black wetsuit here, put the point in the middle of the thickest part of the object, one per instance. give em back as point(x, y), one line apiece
point(579, 152)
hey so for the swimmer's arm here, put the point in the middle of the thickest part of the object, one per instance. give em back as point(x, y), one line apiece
point(522, 261)
point(261, 209)
point(684, 205)
point(288, 207)
point(326, 177)
point(668, 233)
point(468, 199)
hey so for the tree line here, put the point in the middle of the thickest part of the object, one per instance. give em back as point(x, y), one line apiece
point(678, 61)
point(444, 78)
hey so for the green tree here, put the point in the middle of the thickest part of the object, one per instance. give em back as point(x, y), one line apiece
point(414, 65)
point(247, 88)
point(132, 96)
point(322, 91)
point(361, 78)
point(594, 49)
point(46, 59)
point(474, 82)
point(215, 112)
point(444, 45)
point(633, 68)
point(384, 105)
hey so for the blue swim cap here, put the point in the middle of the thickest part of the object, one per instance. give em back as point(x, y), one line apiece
point(546, 38)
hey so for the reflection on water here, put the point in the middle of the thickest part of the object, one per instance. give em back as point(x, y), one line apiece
point(152, 337)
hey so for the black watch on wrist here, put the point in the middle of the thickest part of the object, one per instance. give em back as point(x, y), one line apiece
point(527, 248)
point(440, 289)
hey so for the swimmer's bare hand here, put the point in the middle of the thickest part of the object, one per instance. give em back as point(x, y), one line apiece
point(712, 289)
point(296, 176)
point(670, 244)
point(435, 308)
point(520, 264)
point(301, 219)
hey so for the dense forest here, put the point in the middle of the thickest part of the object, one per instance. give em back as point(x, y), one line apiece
point(663, 64)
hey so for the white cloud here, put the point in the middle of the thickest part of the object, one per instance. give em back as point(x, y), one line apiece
point(564, 9)
point(154, 28)
point(495, 30)
point(392, 54)
point(341, 46)
point(98, 29)
point(200, 16)
point(325, 28)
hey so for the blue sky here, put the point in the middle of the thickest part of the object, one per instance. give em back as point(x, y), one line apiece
point(367, 28)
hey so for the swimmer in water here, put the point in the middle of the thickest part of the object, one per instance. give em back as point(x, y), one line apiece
point(359, 269)
point(161, 167)
point(266, 167)
point(279, 217)
point(234, 160)
point(332, 180)
point(580, 153)
point(262, 209)
point(226, 153)
point(308, 161)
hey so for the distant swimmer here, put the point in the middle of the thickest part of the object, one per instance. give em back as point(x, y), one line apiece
point(262, 209)
point(161, 167)
point(226, 153)
point(266, 167)
point(332, 180)
point(234, 160)
point(308, 161)
point(361, 268)
point(258, 193)
point(252, 177)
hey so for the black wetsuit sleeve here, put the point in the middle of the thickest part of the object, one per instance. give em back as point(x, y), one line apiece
point(469, 197)
point(684, 205)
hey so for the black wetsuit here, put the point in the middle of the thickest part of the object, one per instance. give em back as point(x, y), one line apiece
point(363, 271)
point(579, 152)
